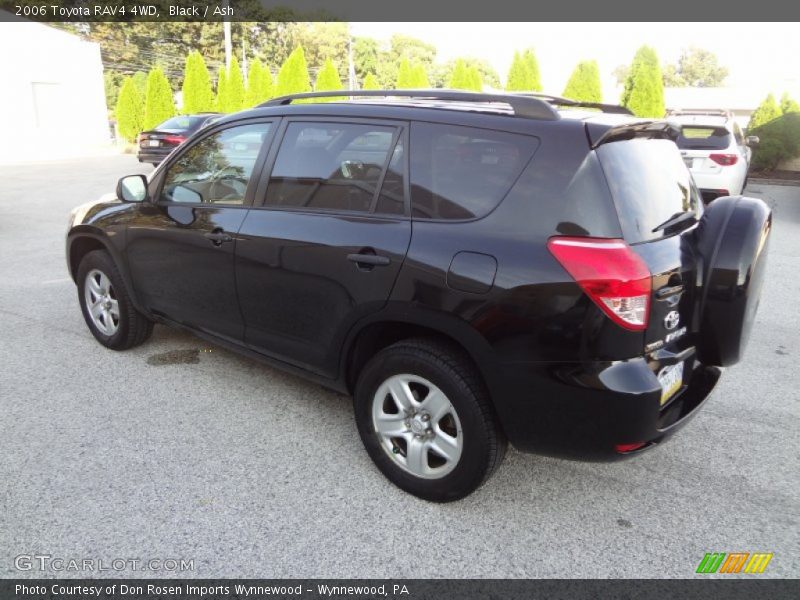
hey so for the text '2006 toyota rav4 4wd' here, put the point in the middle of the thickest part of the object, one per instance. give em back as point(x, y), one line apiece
point(472, 268)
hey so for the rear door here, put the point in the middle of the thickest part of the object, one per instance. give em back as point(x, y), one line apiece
point(658, 206)
point(697, 144)
point(325, 247)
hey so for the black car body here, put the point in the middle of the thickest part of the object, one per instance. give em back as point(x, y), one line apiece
point(156, 144)
point(566, 256)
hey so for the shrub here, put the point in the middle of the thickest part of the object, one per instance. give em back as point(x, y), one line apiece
point(158, 103)
point(644, 87)
point(370, 82)
point(235, 87)
point(767, 111)
point(293, 76)
point(197, 93)
point(129, 110)
point(779, 141)
point(405, 75)
point(584, 83)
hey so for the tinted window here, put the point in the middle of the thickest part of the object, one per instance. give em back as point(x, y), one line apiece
point(337, 166)
point(649, 184)
point(217, 169)
point(462, 172)
point(181, 123)
point(703, 138)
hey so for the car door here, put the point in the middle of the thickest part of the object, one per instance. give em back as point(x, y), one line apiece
point(324, 248)
point(180, 247)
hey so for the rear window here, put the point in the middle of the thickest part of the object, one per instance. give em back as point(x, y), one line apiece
point(649, 184)
point(462, 172)
point(180, 123)
point(703, 138)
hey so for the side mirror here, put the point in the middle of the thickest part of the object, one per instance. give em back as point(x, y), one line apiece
point(132, 188)
point(752, 141)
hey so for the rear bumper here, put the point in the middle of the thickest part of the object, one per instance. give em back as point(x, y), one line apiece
point(584, 411)
point(153, 155)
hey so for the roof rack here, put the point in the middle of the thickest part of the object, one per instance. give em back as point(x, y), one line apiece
point(615, 109)
point(523, 106)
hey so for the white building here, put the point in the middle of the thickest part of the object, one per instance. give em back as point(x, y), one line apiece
point(52, 104)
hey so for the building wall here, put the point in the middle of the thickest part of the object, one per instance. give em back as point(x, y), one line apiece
point(53, 101)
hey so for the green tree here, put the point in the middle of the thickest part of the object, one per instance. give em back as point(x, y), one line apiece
point(236, 91)
point(420, 77)
point(129, 110)
point(328, 80)
point(197, 93)
point(293, 76)
point(405, 75)
point(518, 79)
point(788, 105)
point(696, 67)
point(767, 111)
point(365, 57)
point(441, 74)
point(644, 89)
point(459, 78)
point(584, 83)
point(112, 83)
point(222, 90)
point(158, 103)
point(474, 78)
point(370, 82)
point(257, 88)
point(532, 65)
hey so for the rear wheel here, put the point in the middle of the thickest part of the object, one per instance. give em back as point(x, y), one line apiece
point(426, 421)
point(106, 305)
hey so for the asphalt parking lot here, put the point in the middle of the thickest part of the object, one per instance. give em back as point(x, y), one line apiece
point(178, 449)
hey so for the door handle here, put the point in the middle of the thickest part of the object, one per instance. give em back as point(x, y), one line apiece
point(368, 260)
point(218, 237)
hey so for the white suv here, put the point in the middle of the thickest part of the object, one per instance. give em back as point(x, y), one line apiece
point(714, 149)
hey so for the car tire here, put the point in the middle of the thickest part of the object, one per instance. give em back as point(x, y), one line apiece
point(106, 304)
point(426, 420)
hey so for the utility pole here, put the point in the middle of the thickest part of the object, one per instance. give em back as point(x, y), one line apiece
point(226, 27)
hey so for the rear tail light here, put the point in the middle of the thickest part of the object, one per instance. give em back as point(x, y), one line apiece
point(175, 140)
point(611, 274)
point(623, 448)
point(726, 160)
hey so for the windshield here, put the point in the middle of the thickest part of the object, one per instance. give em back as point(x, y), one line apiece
point(181, 123)
point(703, 138)
point(650, 185)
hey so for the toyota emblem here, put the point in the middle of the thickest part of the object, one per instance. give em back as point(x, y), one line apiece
point(672, 319)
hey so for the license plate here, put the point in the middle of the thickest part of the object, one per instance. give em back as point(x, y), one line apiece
point(688, 162)
point(153, 143)
point(671, 379)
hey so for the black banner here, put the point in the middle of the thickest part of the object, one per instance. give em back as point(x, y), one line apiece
point(388, 10)
point(412, 589)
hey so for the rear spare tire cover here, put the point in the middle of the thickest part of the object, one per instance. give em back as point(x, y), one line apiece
point(733, 237)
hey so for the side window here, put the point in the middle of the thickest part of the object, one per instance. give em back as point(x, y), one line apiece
point(462, 172)
point(217, 169)
point(338, 166)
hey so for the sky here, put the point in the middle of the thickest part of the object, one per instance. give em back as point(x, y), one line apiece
point(764, 55)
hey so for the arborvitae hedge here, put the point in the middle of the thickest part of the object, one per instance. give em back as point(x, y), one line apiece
point(370, 82)
point(198, 96)
point(328, 80)
point(767, 111)
point(235, 87)
point(129, 110)
point(158, 103)
point(293, 76)
point(405, 75)
point(644, 87)
point(584, 83)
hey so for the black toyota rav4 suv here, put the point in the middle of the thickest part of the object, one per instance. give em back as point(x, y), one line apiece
point(473, 269)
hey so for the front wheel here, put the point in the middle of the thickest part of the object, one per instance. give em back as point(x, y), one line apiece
point(426, 420)
point(106, 306)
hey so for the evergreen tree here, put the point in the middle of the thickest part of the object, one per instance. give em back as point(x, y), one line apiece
point(328, 80)
point(644, 87)
point(370, 82)
point(197, 93)
point(518, 79)
point(788, 105)
point(293, 76)
point(584, 84)
point(420, 77)
point(474, 79)
point(459, 78)
point(405, 75)
point(158, 103)
point(222, 90)
point(236, 91)
point(129, 110)
point(532, 67)
point(255, 84)
point(140, 80)
point(767, 111)
point(267, 84)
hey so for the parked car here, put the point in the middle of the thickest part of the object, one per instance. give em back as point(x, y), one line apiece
point(715, 150)
point(473, 269)
point(156, 144)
